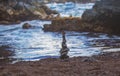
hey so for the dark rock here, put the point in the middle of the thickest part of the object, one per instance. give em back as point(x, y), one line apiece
point(105, 14)
point(47, 27)
point(69, 24)
point(26, 26)
point(90, 15)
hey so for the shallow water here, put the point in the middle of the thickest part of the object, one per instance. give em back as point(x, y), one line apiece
point(34, 44)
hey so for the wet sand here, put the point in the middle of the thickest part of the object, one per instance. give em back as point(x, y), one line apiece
point(107, 64)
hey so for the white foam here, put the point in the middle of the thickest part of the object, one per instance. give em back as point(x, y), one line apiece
point(111, 50)
point(70, 8)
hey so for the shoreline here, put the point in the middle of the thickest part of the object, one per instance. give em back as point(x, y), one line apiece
point(106, 64)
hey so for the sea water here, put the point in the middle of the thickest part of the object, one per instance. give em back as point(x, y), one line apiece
point(69, 8)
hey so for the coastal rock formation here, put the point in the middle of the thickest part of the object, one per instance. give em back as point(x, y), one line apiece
point(103, 17)
point(17, 11)
point(69, 24)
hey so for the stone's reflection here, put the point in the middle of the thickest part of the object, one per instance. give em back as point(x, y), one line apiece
point(64, 50)
point(5, 54)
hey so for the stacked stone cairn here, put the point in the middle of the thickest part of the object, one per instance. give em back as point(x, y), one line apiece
point(64, 50)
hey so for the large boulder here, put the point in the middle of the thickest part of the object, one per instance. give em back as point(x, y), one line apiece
point(105, 14)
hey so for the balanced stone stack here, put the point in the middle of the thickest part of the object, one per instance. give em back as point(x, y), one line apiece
point(65, 49)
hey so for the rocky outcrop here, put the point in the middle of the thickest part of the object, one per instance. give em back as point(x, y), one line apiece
point(15, 12)
point(69, 24)
point(104, 17)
